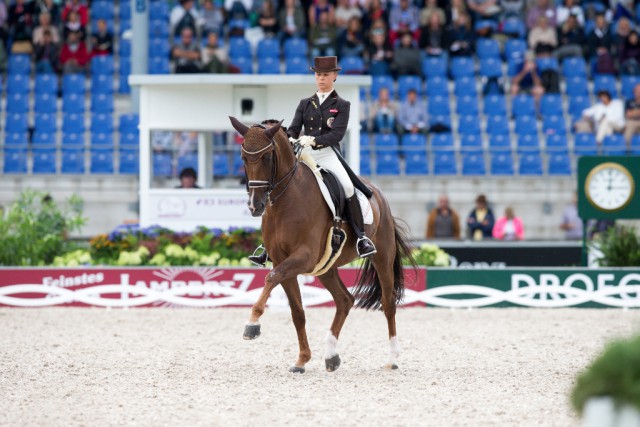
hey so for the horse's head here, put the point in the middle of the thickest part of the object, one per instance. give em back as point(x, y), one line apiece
point(260, 162)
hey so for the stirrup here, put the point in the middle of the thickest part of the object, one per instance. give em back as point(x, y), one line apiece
point(368, 251)
point(259, 259)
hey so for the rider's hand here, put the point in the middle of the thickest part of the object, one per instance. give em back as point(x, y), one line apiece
point(307, 141)
point(292, 140)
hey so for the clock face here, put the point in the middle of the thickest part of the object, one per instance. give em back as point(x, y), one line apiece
point(609, 187)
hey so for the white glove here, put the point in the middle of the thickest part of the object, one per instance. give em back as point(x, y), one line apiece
point(292, 140)
point(307, 141)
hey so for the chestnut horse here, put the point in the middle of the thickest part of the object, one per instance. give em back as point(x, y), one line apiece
point(295, 224)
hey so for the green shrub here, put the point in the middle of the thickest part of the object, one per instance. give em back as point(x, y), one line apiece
point(615, 373)
point(620, 247)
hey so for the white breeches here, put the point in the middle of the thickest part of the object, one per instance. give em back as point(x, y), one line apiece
point(606, 128)
point(328, 159)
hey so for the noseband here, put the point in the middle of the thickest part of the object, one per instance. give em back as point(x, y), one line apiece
point(270, 185)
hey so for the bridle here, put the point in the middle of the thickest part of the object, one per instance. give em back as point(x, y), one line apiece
point(270, 185)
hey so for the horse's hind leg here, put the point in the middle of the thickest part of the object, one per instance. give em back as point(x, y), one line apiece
point(344, 301)
point(292, 290)
point(384, 269)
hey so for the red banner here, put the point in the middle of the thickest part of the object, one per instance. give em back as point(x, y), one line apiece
point(162, 287)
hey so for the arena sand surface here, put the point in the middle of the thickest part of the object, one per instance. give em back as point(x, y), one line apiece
point(151, 367)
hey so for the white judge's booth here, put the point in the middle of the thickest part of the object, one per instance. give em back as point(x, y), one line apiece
point(183, 116)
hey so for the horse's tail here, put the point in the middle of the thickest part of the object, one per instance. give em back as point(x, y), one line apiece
point(368, 292)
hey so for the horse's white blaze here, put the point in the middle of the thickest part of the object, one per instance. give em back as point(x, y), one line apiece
point(331, 344)
point(394, 350)
point(252, 194)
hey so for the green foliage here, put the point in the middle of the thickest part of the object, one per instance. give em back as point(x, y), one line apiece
point(430, 255)
point(34, 229)
point(620, 247)
point(614, 373)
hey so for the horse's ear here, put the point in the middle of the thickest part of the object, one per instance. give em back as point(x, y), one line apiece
point(273, 129)
point(239, 126)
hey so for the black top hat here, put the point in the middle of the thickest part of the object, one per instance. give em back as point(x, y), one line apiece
point(325, 64)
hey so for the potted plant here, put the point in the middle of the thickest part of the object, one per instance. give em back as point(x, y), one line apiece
point(607, 393)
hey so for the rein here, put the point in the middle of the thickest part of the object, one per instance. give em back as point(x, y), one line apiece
point(251, 184)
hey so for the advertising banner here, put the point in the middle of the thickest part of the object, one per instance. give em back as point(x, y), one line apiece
point(165, 287)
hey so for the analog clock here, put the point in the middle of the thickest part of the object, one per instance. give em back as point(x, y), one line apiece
point(609, 187)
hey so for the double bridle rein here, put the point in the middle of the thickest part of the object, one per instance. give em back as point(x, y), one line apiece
point(270, 185)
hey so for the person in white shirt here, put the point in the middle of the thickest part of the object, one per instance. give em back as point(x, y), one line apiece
point(605, 117)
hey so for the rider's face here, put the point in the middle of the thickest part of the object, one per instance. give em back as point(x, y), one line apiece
point(324, 81)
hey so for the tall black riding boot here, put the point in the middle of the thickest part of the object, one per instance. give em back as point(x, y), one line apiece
point(364, 245)
point(261, 258)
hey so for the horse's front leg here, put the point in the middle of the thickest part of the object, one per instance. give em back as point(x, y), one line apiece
point(252, 328)
point(292, 289)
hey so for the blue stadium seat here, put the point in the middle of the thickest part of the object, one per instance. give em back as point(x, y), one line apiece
point(514, 63)
point(523, 105)
point(188, 160)
point(528, 143)
point(444, 163)
point(17, 103)
point(129, 162)
point(379, 82)
point(467, 105)
point(585, 144)
point(124, 49)
point(386, 142)
point(296, 47)
point(614, 145)
point(130, 140)
point(102, 83)
point(514, 47)
point(627, 84)
point(44, 138)
point(470, 142)
point(495, 105)
point(497, 125)
point(526, 125)
point(552, 125)
point(547, 63)
point(125, 25)
point(73, 103)
point(102, 140)
point(605, 82)
point(437, 86)
point(442, 141)
point(160, 47)
point(44, 160)
point(434, 66)
point(296, 65)
point(635, 144)
point(501, 163)
point(123, 85)
point(365, 162)
point(159, 10)
point(244, 63)
point(102, 103)
point(353, 65)
point(72, 140)
point(16, 139)
point(46, 122)
point(413, 143)
point(514, 27)
point(19, 64)
point(499, 142)
point(465, 86)
point(16, 123)
point(101, 161)
point(15, 161)
point(440, 120)
point(530, 163)
point(557, 142)
point(101, 123)
point(74, 83)
point(162, 164)
point(237, 167)
point(104, 64)
point(46, 103)
point(46, 83)
point(220, 164)
point(128, 123)
point(574, 67)
point(102, 10)
point(577, 86)
point(416, 163)
point(577, 104)
point(491, 67)
point(72, 161)
point(559, 163)
point(268, 65)
point(18, 83)
point(73, 123)
point(439, 105)
point(462, 66)
point(551, 105)
point(469, 125)
point(158, 29)
point(409, 82)
point(487, 48)
point(388, 163)
point(473, 163)
point(239, 47)
point(159, 65)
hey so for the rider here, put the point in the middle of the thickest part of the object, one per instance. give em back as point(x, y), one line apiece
point(325, 117)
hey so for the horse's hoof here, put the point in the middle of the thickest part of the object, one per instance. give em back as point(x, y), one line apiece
point(333, 363)
point(251, 332)
point(390, 366)
point(296, 370)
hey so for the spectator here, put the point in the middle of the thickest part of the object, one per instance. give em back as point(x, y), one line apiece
point(322, 37)
point(630, 55)
point(268, 20)
point(345, 11)
point(443, 221)
point(214, 56)
point(47, 6)
point(430, 8)
point(632, 115)
point(379, 53)
point(73, 25)
point(484, 9)
point(44, 19)
point(570, 39)
point(186, 142)
point(4, 16)
point(598, 227)
point(21, 24)
point(480, 220)
point(508, 227)
point(455, 8)
point(102, 39)
point(404, 18)
point(412, 116)
point(382, 117)
point(433, 37)
point(291, 20)
point(185, 15)
point(542, 8)
point(527, 80)
point(460, 37)
point(623, 29)
point(188, 178)
point(571, 222)
point(74, 56)
point(513, 9)
point(315, 13)
point(212, 18)
point(568, 8)
point(47, 54)
point(406, 57)
point(186, 53)
point(351, 41)
point(77, 7)
point(543, 38)
point(238, 9)
point(605, 117)
point(376, 12)
point(162, 140)
point(599, 40)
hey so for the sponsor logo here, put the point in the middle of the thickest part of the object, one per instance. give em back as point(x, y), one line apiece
point(549, 284)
